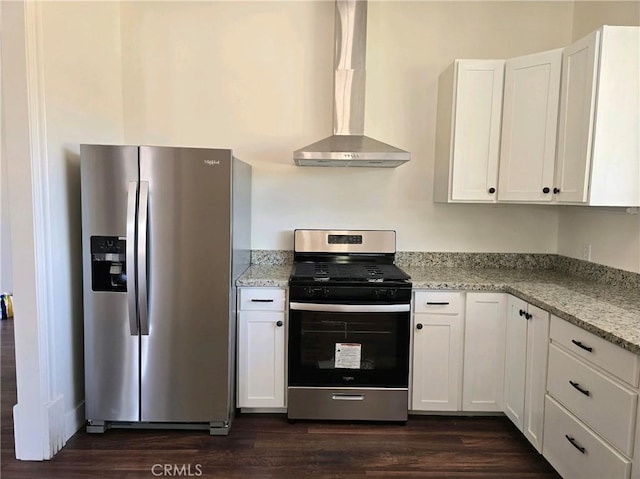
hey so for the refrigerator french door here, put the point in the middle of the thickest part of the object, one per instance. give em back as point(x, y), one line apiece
point(165, 235)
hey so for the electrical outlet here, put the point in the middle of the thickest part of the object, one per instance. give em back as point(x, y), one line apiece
point(586, 252)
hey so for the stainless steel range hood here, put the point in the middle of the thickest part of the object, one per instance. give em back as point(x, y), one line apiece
point(348, 146)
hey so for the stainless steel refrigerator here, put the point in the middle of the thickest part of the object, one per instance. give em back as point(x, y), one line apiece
point(165, 234)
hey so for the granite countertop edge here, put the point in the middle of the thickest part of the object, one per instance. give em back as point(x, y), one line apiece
point(586, 304)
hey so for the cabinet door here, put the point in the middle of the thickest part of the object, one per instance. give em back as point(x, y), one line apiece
point(476, 135)
point(515, 361)
point(437, 362)
point(537, 348)
point(635, 468)
point(529, 123)
point(261, 359)
point(484, 349)
point(615, 168)
point(575, 451)
point(575, 127)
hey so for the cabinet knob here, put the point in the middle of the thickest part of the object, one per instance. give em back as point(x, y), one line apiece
point(546, 190)
point(419, 325)
point(279, 323)
point(492, 190)
point(528, 316)
point(556, 191)
point(521, 312)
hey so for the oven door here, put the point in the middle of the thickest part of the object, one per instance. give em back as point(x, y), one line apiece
point(348, 345)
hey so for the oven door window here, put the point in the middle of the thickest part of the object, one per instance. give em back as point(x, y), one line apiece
point(348, 349)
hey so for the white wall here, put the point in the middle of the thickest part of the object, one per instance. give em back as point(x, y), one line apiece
point(614, 235)
point(257, 77)
point(6, 267)
point(83, 93)
point(62, 87)
point(16, 146)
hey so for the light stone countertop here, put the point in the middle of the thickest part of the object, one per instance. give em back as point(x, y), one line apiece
point(265, 275)
point(609, 312)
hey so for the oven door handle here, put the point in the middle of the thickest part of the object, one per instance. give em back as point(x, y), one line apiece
point(351, 308)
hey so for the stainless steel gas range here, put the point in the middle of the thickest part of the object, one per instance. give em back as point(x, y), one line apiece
point(349, 314)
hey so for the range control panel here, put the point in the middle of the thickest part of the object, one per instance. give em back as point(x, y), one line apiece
point(345, 239)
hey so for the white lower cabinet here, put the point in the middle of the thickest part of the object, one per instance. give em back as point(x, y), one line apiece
point(635, 467)
point(438, 332)
point(261, 348)
point(577, 452)
point(591, 414)
point(589, 394)
point(484, 350)
point(527, 344)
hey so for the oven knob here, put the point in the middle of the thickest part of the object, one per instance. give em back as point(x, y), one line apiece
point(316, 292)
point(385, 293)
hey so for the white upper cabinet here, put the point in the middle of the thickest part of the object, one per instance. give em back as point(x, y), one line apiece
point(598, 156)
point(529, 124)
point(468, 131)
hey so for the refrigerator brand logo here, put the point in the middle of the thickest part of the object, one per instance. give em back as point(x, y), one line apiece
point(211, 162)
point(176, 470)
point(348, 378)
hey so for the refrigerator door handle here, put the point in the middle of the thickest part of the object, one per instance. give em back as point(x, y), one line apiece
point(143, 217)
point(131, 256)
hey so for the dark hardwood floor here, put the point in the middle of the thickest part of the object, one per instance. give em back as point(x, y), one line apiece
point(267, 446)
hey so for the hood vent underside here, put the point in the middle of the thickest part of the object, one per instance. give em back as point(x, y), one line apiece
point(348, 146)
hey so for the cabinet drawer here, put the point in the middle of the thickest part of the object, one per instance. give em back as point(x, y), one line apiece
point(577, 452)
point(438, 302)
point(606, 406)
point(619, 362)
point(262, 299)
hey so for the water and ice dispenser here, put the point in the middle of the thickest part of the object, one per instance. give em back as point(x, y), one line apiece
point(108, 263)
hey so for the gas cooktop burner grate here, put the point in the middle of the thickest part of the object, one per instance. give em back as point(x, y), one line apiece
point(348, 272)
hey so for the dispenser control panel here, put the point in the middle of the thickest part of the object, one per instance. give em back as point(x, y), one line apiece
point(108, 263)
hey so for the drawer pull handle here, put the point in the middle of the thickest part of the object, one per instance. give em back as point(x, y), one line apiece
point(437, 303)
point(580, 345)
point(262, 300)
point(575, 444)
point(577, 386)
point(347, 397)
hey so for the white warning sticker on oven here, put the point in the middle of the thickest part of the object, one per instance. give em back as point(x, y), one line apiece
point(348, 355)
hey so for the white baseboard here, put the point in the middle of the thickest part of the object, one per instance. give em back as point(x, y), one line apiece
point(73, 421)
point(27, 435)
point(55, 415)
